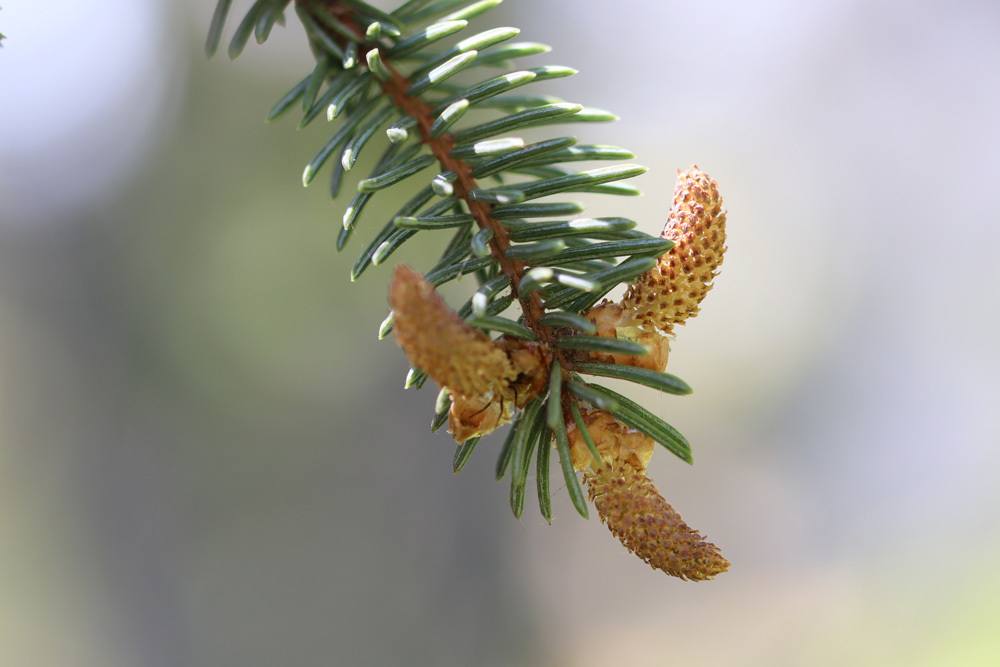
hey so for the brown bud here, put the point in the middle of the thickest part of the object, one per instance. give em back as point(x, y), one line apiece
point(614, 440)
point(670, 293)
point(614, 321)
point(436, 340)
point(648, 526)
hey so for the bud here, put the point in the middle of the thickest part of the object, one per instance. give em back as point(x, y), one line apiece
point(648, 526)
point(436, 340)
point(670, 293)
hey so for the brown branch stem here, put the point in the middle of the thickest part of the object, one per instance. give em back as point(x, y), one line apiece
point(396, 87)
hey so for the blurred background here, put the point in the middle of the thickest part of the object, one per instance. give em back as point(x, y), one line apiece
point(206, 458)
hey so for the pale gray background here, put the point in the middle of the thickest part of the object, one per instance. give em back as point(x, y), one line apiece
point(207, 459)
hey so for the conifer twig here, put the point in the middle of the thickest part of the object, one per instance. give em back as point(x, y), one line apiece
point(375, 68)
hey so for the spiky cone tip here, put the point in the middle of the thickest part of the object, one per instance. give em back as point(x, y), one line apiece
point(671, 292)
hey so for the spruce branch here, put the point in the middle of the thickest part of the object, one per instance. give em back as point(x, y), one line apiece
point(396, 74)
point(441, 144)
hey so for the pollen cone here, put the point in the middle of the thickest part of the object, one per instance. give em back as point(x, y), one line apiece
point(670, 293)
point(648, 526)
point(436, 340)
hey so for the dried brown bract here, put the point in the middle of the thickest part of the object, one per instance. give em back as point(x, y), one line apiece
point(614, 440)
point(615, 321)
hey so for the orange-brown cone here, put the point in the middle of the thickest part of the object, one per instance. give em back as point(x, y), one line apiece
point(487, 379)
point(670, 293)
point(436, 340)
point(648, 526)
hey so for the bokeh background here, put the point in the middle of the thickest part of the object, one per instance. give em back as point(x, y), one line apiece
point(206, 458)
